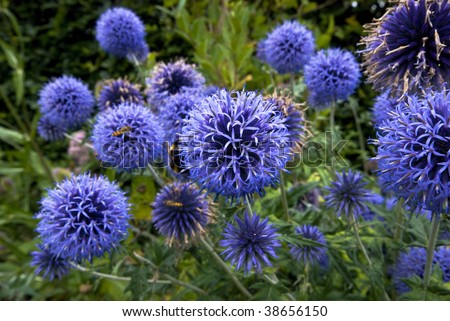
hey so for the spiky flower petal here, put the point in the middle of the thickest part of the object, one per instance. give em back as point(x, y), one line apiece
point(235, 144)
point(48, 264)
point(181, 212)
point(409, 47)
point(287, 48)
point(120, 32)
point(127, 137)
point(311, 254)
point(347, 195)
point(384, 104)
point(119, 91)
point(83, 217)
point(331, 75)
point(413, 151)
point(250, 243)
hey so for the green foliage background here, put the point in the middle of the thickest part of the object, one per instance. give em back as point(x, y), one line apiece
point(44, 39)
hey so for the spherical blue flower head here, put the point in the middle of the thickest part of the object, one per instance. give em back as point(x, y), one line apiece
point(347, 195)
point(294, 121)
point(413, 151)
point(170, 79)
point(409, 47)
point(51, 128)
point(120, 32)
point(48, 264)
point(127, 137)
point(250, 243)
point(83, 217)
point(287, 48)
point(312, 254)
point(181, 212)
point(68, 100)
point(331, 75)
point(443, 258)
point(174, 111)
point(119, 91)
point(384, 104)
point(234, 144)
point(409, 264)
point(140, 54)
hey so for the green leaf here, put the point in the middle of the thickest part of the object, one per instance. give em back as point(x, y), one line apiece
point(11, 136)
point(143, 192)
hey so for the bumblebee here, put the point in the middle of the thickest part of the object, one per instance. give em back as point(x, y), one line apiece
point(174, 157)
point(173, 203)
point(122, 131)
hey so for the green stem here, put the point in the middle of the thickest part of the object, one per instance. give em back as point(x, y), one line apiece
point(248, 206)
point(332, 129)
point(168, 276)
point(430, 252)
point(225, 267)
point(156, 177)
point(361, 137)
point(114, 277)
point(284, 197)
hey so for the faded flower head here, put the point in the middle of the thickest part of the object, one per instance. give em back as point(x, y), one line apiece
point(409, 47)
point(250, 243)
point(66, 102)
point(48, 264)
point(78, 151)
point(347, 195)
point(83, 217)
point(384, 104)
point(294, 121)
point(235, 144)
point(287, 48)
point(309, 253)
point(170, 79)
point(181, 212)
point(331, 75)
point(174, 111)
point(413, 151)
point(51, 129)
point(127, 137)
point(120, 32)
point(119, 91)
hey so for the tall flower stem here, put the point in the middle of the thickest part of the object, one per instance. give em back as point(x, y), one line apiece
point(248, 206)
point(332, 130)
point(362, 148)
point(430, 252)
point(284, 197)
point(156, 176)
point(225, 267)
point(169, 277)
point(113, 277)
point(363, 249)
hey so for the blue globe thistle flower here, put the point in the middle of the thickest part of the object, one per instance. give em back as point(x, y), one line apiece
point(67, 101)
point(234, 144)
point(170, 79)
point(181, 212)
point(347, 195)
point(83, 217)
point(443, 258)
point(250, 243)
point(413, 151)
point(408, 48)
point(174, 111)
point(287, 48)
point(294, 121)
point(140, 54)
point(384, 104)
point(409, 264)
point(120, 32)
point(51, 129)
point(127, 137)
point(119, 91)
point(312, 254)
point(331, 75)
point(48, 264)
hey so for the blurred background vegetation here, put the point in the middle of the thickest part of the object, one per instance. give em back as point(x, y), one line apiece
point(44, 39)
